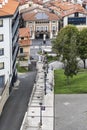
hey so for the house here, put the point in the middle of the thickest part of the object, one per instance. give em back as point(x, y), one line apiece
point(24, 43)
point(9, 20)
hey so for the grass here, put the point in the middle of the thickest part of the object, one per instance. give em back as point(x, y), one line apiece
point(77, 85)
point(51, 58)
point(21, 69)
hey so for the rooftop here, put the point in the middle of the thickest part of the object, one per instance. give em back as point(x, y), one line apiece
point(9, 8)
point(40, 15)
point(66, 8)
point(24, 32)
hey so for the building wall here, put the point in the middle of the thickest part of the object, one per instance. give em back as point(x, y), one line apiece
point(41, 26)
point(82, 16)
point(6, 44)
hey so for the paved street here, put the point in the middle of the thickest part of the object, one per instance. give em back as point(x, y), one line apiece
point(37, 45)
point(17, 103)
point(39, 115)
point(39, 42)
point(71, 112)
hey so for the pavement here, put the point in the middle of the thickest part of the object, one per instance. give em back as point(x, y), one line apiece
point(40, 112)
point(70, 112)
point(37, 46)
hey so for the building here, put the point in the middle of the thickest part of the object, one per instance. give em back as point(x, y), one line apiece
point(41, 22)
point(69, 13)
point(24, 43)
point(9, 20)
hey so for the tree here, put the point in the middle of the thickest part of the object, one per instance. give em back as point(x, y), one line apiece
point(82, 46)
point(65, 45)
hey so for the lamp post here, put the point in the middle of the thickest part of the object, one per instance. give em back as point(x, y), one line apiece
point(40, 113)
point(45, 82)
point(44, 38)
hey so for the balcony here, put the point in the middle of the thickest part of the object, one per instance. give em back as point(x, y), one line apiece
point(15, 52)
point(15, 39)
point(15, 26)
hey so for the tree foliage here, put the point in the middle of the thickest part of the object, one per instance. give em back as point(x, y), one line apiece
point(65, 45)
point(82, 46)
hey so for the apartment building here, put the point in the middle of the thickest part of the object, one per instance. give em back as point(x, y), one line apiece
point(9, 20)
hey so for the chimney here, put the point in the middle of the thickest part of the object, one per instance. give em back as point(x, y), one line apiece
point(3, 2)
point(0, 4)
point(6, 1)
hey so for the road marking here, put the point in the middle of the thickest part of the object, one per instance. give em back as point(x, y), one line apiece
point(66, 103)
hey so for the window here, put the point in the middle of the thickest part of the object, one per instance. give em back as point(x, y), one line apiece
point(2, 80)
point(76, 14)
point(30, 22)
point(1, 51)
point(1, 37)
point(37, 28)
point(22, 38)
point(53, 21)
point(21, 50)
point(1, 23)
point(54, 28)
point(1, 65)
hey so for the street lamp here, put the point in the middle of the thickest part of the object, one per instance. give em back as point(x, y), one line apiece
point(45, 74)
point(44, 38)
point(40, 113)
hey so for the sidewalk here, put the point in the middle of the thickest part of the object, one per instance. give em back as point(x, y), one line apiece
point(40, 112)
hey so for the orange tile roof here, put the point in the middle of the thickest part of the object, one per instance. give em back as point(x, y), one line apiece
point(0, 1)
point(63, 5)
point(67, 8)
point(9, 8)
point(24, 32)
point(32, 16)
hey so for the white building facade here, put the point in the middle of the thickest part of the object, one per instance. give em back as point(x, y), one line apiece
point(8, 45)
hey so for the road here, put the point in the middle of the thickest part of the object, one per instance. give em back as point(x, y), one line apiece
point(38, 42)
point(17, 103)
point(37, 46)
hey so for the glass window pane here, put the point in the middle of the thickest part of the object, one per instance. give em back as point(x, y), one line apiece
point(2, 78)
point(1, 37)
point(1, 51)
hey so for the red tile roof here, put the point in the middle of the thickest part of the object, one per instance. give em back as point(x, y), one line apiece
point(33, 16)
point(9, 8)
point(24, 32)
point(66, 8)
point(24, 42)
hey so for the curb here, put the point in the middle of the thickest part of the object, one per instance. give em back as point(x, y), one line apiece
point(34, 88)
point(23, 121)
